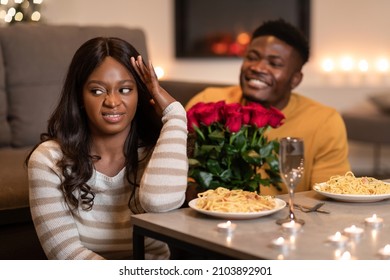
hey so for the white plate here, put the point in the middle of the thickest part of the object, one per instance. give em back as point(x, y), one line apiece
point(280, 204)
point(351, 197)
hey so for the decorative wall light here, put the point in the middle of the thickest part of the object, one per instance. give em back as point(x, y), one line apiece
point(352, 71)
point(349, 64)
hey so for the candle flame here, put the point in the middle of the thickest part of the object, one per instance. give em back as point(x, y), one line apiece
point(346, 256)
point(280, 240)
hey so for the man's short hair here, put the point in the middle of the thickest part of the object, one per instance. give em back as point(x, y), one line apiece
point(287, 33)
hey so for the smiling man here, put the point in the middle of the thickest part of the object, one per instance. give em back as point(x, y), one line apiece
point(270, 71)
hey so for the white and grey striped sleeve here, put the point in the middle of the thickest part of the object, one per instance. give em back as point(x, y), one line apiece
point(164, 181)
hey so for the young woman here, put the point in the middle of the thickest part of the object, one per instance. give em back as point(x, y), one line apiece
point(115, 146)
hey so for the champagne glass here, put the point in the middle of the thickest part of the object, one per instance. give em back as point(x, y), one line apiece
point(291, 159)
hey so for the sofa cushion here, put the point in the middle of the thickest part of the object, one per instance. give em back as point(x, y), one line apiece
point(36, 59)
point(5, 131)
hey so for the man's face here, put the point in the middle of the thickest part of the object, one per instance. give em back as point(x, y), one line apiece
point(270, 70)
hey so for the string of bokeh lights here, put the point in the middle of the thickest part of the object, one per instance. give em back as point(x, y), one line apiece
point(20, 10)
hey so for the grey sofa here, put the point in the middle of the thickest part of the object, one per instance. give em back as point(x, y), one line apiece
point(33, 62)
point(369, 123)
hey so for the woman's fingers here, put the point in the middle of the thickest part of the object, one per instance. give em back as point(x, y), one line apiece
point(146, 72)
point(134, 63)
point(160, 97)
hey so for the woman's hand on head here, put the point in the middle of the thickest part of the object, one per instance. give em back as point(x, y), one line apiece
point(161, 98)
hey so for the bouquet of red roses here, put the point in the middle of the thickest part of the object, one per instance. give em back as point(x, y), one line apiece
point(230, 146)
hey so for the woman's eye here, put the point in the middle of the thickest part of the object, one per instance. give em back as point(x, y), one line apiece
point(125, 90)
point(97, 91)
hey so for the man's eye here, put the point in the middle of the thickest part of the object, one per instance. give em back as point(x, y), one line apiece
point(251, 57)
point(276, 64)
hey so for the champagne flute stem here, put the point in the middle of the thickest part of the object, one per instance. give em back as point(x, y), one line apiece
point(290, 202)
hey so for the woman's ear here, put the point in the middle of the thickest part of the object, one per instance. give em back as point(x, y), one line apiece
point(296, 79)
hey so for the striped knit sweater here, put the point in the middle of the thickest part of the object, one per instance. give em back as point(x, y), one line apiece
point(105, 232)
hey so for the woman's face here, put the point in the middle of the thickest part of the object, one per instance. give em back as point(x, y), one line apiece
point(110, 99)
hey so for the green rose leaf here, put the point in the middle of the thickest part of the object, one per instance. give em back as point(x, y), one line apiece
point(252, 157)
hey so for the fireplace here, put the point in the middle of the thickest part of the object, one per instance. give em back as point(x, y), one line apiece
point(222, 28)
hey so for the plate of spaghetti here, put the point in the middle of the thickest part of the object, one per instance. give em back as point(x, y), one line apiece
point(235, 204)
point(349, 188)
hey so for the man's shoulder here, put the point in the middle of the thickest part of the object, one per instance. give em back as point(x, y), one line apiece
point(314, 112)
point(211, 94)
point(309, 103)
point(230, 94)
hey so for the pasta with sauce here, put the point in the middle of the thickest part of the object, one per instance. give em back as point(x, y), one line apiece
point(234, 201)
point(349, 184)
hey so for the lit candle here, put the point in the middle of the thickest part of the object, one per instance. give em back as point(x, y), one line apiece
point(338, 239)
point(291, 227)
point(280, 242)
point(227, 227)
point(385, 252)
point(354, 231)
point(374, 221)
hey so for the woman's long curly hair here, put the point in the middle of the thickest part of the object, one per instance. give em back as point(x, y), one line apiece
point(68, 124)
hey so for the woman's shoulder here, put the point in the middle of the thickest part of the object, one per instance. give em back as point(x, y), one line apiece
point(48, 149)
point(51, 145)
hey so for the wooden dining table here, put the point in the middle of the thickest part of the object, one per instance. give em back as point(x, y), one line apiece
point(263, 238)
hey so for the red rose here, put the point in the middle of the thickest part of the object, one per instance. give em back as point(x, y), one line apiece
point(259, 115)
point(246, 115)
point(232, 107)
point(233, 116)
point(192, 118)
point(209, 113)
point(233, 121)
point(276, 117)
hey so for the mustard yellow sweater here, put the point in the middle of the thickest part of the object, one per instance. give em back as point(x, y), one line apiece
point(321, 127)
